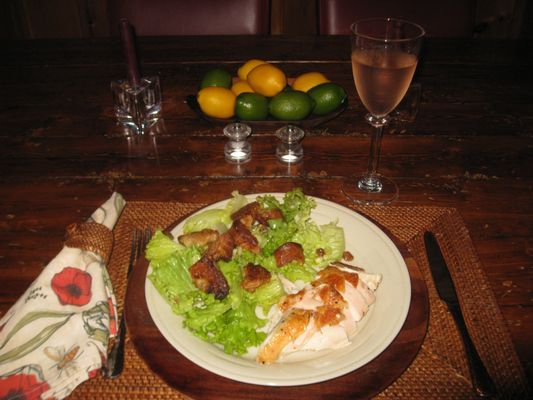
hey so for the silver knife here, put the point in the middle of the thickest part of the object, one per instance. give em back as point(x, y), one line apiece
point(481, 380)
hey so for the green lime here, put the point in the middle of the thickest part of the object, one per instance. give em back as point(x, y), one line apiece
point(251, 107)
point(216, 77)
point(328, 97)
point(291, 105)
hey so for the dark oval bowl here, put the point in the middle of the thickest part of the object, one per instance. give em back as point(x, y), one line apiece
point(310, 122)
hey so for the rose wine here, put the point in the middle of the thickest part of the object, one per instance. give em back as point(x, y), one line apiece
point(382, 78)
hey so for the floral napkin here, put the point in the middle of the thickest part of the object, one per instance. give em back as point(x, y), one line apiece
point(56, 335)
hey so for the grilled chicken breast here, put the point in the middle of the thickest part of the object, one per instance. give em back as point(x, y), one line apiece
point(332, 305)
point(288, 329)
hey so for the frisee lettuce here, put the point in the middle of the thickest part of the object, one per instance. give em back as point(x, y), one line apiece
point(233, 322)
point(219, 219)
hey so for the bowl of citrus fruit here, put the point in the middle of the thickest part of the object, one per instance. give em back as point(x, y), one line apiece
point(261, 93)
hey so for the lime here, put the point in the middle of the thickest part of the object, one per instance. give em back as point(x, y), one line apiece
point(328, 97)
point(216, 77)
point(251, 107)
point(291, 105)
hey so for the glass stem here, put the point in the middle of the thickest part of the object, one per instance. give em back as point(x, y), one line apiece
point(370, 181)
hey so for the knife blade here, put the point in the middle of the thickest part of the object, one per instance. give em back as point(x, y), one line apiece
point(481, 381)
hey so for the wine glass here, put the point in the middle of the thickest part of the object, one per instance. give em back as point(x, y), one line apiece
point(384, 58)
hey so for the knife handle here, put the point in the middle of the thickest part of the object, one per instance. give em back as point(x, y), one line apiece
point(481, 380)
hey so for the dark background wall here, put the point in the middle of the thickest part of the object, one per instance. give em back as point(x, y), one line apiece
point(33, 19)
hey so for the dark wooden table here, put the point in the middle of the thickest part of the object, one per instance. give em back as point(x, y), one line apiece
point(471, 146)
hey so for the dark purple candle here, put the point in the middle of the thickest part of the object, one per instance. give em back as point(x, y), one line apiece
point(128, 45)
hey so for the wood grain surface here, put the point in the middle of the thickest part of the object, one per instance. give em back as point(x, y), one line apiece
point(470, 147)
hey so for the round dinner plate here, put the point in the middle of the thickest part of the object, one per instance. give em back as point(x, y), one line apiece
point(373, 250)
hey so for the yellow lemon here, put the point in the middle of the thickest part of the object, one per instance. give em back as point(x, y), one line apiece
point(267, 79)
point(241, 87)
point(243, 71)
point(217, 102)
point(309, 80)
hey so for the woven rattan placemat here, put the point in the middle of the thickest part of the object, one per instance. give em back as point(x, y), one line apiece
point(439, 371)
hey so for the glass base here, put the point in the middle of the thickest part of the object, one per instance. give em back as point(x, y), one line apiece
point(378, 191)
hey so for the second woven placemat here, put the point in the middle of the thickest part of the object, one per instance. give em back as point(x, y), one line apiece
point(440, 370)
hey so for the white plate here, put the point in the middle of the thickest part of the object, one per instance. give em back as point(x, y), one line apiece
point(372, 249)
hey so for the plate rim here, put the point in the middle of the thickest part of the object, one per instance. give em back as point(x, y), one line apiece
point(199, 383)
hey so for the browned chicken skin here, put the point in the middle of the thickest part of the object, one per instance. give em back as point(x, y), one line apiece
point(242, 237)
point(249, 209)
point(200, 238)
point(254, 277)
point(205, 273)
point(292, 326)
point(331, 312)
point(208, 278)
point(221, 249)
point(336, 277)
point(257, 213)
point(264, 215)
point(289, 252)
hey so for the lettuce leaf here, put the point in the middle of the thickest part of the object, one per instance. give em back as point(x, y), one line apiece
point(333, 237)
point(216, 218)
point(297, 206)
point(170, 264)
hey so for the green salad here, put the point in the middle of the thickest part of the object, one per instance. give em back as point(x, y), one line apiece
point(234, 322)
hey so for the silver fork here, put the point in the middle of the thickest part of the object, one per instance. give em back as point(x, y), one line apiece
point(115, 360)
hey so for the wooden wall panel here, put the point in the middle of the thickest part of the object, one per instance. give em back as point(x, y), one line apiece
point(294, 17)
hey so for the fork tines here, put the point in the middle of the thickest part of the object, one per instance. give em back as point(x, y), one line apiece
point(115, 361)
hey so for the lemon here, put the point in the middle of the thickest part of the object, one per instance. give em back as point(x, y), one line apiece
point(243, 71)
point(216, 77)
point(309, 80)
point(217, 102)
point(291, 105)
point(241, 87)
point(251, 107)
point(328, 97)
point(267, 79)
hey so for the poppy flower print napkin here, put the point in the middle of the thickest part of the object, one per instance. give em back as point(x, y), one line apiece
point(56, 335)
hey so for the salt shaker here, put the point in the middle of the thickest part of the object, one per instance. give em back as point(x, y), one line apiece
point(290, 149)
point(237, 150)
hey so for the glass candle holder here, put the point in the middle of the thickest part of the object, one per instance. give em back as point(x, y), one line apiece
point(137, 107)
point(237, 150)
point(290, 149)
